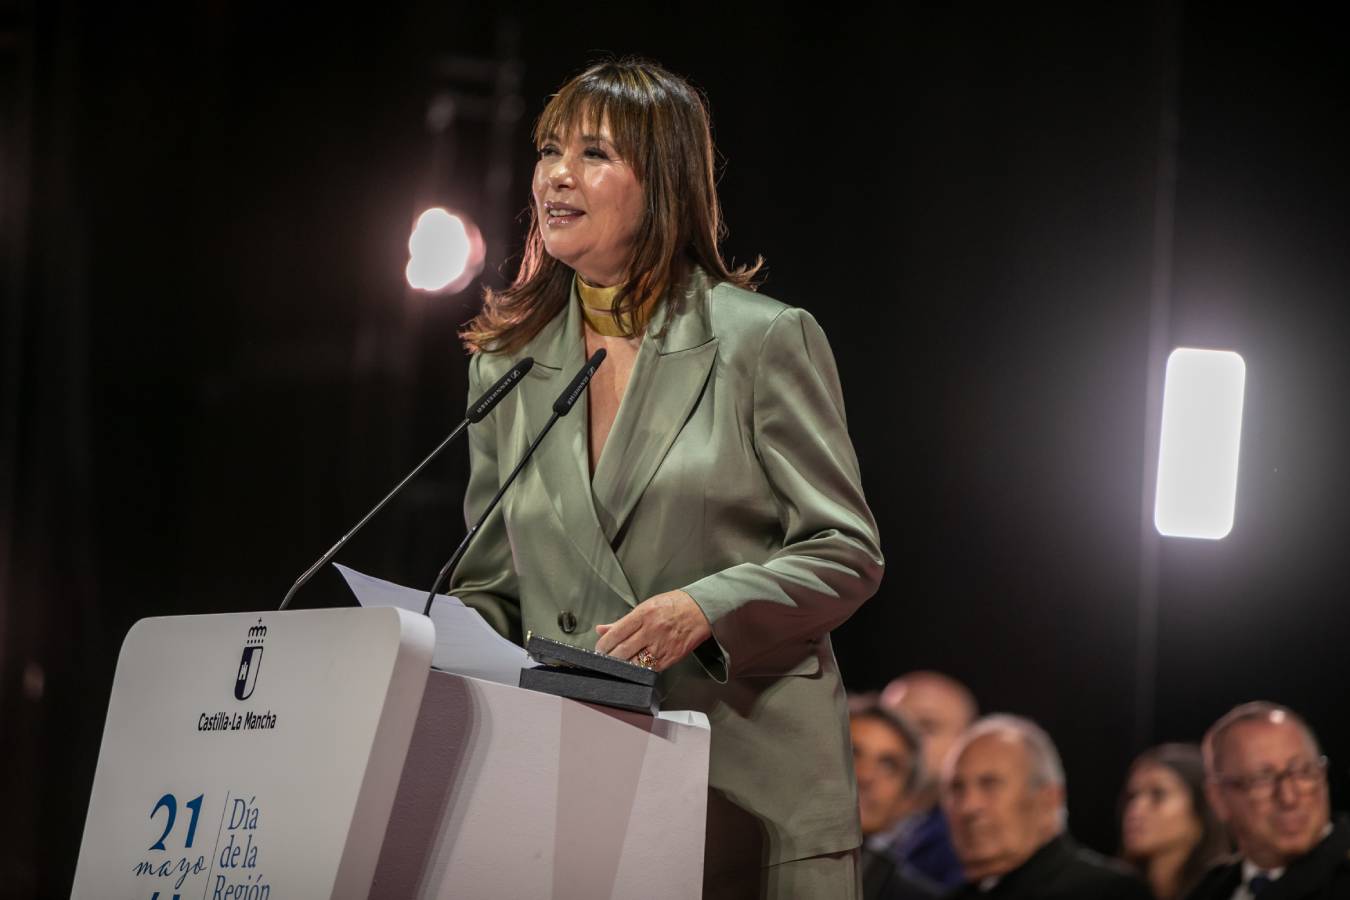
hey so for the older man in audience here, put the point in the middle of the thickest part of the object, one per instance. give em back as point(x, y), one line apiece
point(1004, 794)
point(1267, 781)
point(941, 708)
point(888, 762)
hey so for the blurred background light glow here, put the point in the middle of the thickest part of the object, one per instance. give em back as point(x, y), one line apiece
point(445, 252)
point(1198, 451)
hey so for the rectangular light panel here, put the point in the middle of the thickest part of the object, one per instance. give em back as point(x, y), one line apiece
point(1198, 454)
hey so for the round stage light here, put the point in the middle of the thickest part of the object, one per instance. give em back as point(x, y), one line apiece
point(445, 252)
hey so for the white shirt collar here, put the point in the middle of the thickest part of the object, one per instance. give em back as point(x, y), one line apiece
point(1250, 870)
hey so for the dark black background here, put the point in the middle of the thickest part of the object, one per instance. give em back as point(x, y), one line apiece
point(212, 365)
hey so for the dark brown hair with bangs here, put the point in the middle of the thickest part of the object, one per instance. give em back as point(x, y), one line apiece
point(659, 123)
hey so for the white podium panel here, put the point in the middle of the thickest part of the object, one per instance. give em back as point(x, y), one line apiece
point(253, 756)
point(509, 793)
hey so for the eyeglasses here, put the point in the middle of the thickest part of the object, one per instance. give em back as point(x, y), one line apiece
point(1306, 777)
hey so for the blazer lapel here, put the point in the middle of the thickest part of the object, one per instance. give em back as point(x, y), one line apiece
point(668, 378)
point(563, 457)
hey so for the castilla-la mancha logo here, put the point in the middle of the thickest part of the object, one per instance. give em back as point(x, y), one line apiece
point(247, 679)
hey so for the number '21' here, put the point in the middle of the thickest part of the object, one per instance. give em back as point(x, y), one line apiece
point(170, 802)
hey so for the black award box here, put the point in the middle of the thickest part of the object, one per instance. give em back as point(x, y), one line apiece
point(585, 675)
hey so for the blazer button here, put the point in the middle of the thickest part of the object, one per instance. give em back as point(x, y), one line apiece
point(567, 622)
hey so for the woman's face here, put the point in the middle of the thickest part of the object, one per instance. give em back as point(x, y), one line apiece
point(589, 203)
point(1158, 813)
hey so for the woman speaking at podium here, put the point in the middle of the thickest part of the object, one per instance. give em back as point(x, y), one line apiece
point(700, 512)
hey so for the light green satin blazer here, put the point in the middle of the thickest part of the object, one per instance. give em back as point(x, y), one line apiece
point(728, 474)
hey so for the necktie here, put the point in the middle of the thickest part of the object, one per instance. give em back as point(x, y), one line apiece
point(1260, 881)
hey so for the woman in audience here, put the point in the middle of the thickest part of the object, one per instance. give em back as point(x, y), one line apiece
point(1168, 830)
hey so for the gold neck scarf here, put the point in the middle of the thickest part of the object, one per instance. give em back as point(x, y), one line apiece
point(597, 304)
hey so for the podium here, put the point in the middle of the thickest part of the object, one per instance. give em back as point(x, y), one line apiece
point(314, 754)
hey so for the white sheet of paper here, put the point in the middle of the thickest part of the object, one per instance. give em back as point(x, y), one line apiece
point(465, 643)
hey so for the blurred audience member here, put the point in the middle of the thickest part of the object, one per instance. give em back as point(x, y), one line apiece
point(1267, 782)
point(1168, 829)
point(938, 704)
point(1004, 794)
point(888, 762)
point(941, 708)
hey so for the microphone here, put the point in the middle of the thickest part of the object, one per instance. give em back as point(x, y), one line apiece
point(561, 407)
point(475, 414)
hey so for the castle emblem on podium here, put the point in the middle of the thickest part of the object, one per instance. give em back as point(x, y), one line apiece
point(247, 678)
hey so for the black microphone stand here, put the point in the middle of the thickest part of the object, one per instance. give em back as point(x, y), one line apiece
point(561, 407)
point(491, 398)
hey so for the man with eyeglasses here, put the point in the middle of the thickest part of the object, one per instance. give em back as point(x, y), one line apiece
point(1267, 781)
point(888, 765)
point(941, 708)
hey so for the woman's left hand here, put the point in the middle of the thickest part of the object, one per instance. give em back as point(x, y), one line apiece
point(658, 633)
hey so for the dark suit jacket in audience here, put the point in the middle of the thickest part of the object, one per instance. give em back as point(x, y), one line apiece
point(885, 878)
point(1324, 874)
point(1061, 870)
